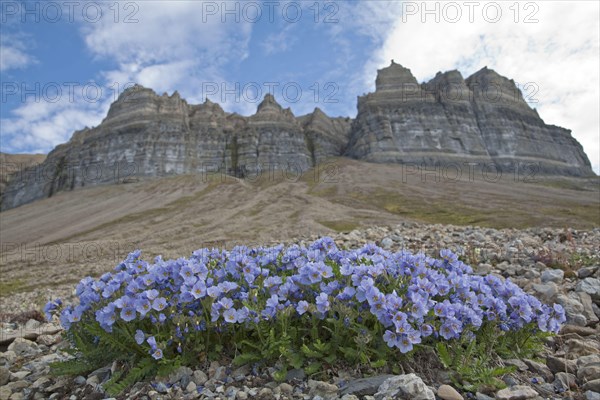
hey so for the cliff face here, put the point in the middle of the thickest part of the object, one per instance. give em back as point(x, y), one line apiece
point(482, 120)
point(146, 135)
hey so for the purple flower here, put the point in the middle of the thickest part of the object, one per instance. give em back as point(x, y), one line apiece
point(390, 338)
point(226, 303)
point(152, 342)
point(230, 315)
point(128, 314)
point(273, 302)
point(404, 344)
point(322, 303)
point(159, 304)
point(157, 354)
point(139, 336)
point(151, 294)
point(302, 307)
point(199, 289)
point(142, 306)
point(214, 291)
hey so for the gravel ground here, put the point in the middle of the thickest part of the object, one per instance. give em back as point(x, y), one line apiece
point(556, 265)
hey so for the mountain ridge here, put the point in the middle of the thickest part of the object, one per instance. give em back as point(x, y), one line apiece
point(449, 121)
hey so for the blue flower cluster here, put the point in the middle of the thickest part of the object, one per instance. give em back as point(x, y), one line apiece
point(412, 296)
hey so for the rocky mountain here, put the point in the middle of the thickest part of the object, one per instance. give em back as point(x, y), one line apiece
point(482, 120)
point(12, 164)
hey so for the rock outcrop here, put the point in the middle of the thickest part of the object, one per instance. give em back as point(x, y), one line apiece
point(482, 120)
point(12, 164)
point(147, 135)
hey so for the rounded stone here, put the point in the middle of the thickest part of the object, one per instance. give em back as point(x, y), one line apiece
point(447, 392)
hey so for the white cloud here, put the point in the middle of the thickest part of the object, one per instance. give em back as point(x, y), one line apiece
point(560, 54)
point(170, 48)
point(279, 42)
point(43, 125)
point(13, 53)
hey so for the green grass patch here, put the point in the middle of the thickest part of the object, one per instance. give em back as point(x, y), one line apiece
point(8, 287)
point(340, 226)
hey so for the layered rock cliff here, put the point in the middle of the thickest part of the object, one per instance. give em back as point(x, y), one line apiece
point(482, 120)
point(147, 135)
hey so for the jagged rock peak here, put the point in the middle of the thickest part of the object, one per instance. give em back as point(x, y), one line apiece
point(486, 77)
point(269, 104)
point(394, 77)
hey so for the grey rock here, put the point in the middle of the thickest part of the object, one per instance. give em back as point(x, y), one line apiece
point(49, 340)
point(586, 272)
point(7, 358)
point(521, 366)
point(593, 385)
point(5, 393)
point(191, 387)
point(557, 364)
point(199, 377)
point(580, 347)
point(295, 374)
point(4, 376)
point(573, 310)
point(387, 243)
point(102, 373)
point(364, 386)
point(518, 392)
point(579, 330)
point(588, 360)
point(240, 373)
point(41, 382)
point(588, 307)
point(546, 292)
point(590, 395)
point(481, 396)
point(405, 387)
point(590, 286)
point(553, 275)
point(323, 389)
point(447, 392)
point(24, 347)
point(177, 375)
point(286, 388)
point(265, 394)
point(564, 381)
point(540, 369)
point(32, 324)
point(588, 372)
point(92, 381)
point(161, 387)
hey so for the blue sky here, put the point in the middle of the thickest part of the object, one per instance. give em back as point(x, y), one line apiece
point(63, 63)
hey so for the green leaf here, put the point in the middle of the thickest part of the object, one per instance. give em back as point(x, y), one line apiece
point(313, 368)
point(310, 353)
point(378, 363)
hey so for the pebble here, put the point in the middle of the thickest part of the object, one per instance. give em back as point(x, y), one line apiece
point(518, 392)
point(552, 275)
point(4, 376)
point(447, 392)
point(404, 387)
